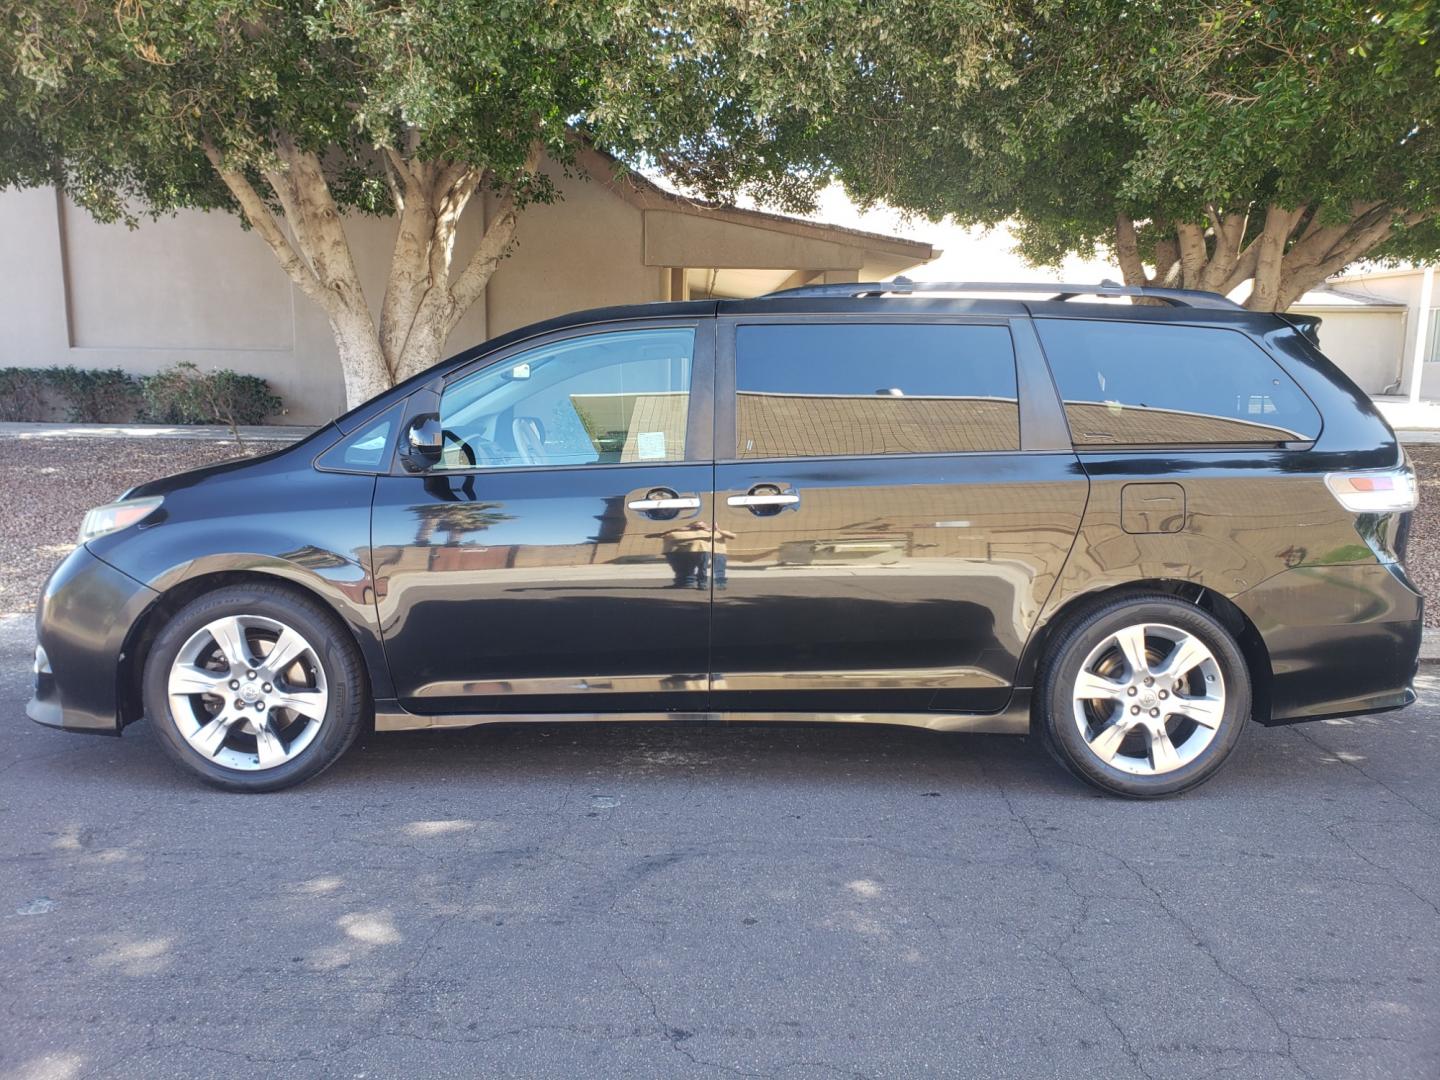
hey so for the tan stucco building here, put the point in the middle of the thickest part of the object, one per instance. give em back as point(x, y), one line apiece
point(1382, 326)
point(197, 287)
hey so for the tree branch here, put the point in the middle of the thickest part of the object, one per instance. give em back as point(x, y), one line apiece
point(1127, 251)
point(1193, 254)
point(492, 249)
point(1364, 235)
point(494, 246)
point(263, 222)
point(1269, 257)
point(323, 232)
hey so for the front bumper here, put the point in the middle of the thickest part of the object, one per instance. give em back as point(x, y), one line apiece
point(1342, 640)
point(84, 619)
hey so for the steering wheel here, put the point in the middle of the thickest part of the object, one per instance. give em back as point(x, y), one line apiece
point(477, 450)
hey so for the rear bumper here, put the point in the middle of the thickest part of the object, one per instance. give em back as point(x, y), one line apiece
point(1342, 639)
point(84, 618)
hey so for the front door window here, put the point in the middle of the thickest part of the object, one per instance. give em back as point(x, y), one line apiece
point(602, 399)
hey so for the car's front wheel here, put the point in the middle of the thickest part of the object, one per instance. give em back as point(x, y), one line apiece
point(254, 687)
point(1144, 696)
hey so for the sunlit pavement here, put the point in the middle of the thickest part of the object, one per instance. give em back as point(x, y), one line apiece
point(690, 901)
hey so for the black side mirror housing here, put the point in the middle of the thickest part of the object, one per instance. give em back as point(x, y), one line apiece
point(424, 439)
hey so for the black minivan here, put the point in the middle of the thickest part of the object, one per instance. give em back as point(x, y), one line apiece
point(1126, 528)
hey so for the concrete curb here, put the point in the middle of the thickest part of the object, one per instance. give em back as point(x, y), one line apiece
point(266, 433)
point(1430, 645)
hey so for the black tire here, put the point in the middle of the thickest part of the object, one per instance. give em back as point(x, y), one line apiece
point(1056, 710)
point(343, 673)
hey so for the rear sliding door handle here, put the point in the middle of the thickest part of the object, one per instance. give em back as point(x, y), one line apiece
point(683, 502)
point(779, 499)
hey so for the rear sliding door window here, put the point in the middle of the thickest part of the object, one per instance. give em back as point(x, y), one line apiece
point(838, 389)
point(1151, 384)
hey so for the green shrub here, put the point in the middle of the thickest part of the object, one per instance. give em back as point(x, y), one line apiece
point(183, 394)
point(97, 395)
point(26, 394)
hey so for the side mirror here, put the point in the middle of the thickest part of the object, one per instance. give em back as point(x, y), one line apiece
point(424, 438)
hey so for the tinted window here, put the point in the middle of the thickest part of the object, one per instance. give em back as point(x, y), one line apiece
point(365, 450)
point(1152, 384)
point(594, 400)
point(831, 389)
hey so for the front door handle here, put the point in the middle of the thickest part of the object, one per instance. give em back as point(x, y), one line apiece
point(778, 499)
point(680, 502)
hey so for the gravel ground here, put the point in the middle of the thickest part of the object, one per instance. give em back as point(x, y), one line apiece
point(1423, 557)
point(49, 483)
point(46, 511)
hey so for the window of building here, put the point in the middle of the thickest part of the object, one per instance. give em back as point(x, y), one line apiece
point(1432, 337)
point(1154, 384)
point(604, 398)
point(837, 389)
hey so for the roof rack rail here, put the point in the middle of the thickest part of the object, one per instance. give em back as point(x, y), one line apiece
point(902, 286)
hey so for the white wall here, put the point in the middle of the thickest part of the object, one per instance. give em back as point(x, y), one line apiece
point(1403, 287)
point(1365, 342)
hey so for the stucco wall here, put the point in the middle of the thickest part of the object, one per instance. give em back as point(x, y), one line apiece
point(1366, 343)
point(1405, 288)
point(587, 250)
point(198, 287)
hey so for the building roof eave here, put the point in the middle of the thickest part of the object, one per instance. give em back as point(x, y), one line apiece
point(644, 194)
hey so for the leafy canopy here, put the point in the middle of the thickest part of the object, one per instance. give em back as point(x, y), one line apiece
point(116, 101)
point(1063, 114)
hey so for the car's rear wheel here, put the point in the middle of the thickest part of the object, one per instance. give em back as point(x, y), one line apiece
point(1145, 696)
point(254, 687)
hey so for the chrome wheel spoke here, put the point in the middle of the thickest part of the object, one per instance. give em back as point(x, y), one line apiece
point(1163, 755)
point(1092, 687)
point(1131, 641)
point(268, 745)
point(229, 635)
point(286, 650)
point(307, 703)
point(1189, 653)
point(1107, 744)
point(210, 738)
point(1140, 698)
point(189, 679)
point(1206, 711)
point(270, 667)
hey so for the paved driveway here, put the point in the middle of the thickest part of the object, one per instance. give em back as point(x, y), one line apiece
point(677, 902)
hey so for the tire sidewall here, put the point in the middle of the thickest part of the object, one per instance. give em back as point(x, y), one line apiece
point(1076, 645)
point(344, 706)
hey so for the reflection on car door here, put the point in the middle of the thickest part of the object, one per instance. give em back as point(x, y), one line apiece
point(888, 544)
point(543, 565)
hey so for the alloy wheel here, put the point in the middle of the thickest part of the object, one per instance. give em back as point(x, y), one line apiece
point(248, 692)
point(1149, 699)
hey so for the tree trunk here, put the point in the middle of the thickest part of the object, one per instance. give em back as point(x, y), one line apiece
point(422, 302)
point(362, 363)
point(1282, 262)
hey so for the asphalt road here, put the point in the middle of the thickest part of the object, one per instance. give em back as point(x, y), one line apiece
point(674, 902)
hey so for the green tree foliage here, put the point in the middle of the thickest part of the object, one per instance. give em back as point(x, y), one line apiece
point(294, 113)
point(1205, 143)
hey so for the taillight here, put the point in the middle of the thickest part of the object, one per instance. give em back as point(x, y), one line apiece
point(1381, 491)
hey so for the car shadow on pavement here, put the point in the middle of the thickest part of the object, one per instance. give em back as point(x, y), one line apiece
point(782, 755)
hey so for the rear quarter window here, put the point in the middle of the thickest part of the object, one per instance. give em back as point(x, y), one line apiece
point(1155, 384)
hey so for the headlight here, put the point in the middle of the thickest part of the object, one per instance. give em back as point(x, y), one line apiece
point(117, 516)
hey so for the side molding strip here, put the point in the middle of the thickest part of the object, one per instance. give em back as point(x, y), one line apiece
point(1014, 720)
